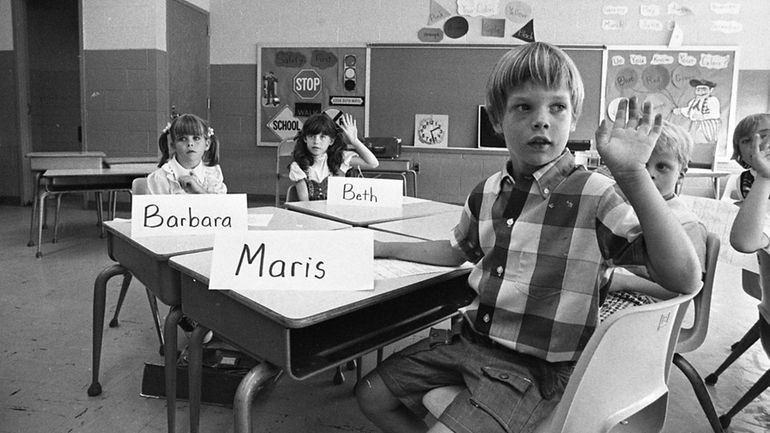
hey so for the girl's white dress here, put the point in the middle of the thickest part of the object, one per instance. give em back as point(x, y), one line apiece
point(164, 180)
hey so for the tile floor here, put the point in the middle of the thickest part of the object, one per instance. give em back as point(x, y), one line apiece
point(45, 354)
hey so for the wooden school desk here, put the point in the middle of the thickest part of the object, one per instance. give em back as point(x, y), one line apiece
point(39, 162)
point(98, 180)
point(362, 216)
point(432, 227)
point(146, 258)
point(306, 338)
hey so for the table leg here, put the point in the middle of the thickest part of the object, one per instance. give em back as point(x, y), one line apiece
point(35, 187)
point(170, 343)
point(56, 219)
point(100, 294)
point(100, 213)
point(194, 375)
point(41, 209)
point(247, 389)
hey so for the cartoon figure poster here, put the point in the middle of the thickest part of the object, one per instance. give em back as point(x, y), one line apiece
point(693, 87)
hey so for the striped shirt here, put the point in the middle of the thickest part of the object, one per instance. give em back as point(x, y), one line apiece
point(539, 247)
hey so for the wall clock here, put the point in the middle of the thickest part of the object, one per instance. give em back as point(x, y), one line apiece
point(431, 130)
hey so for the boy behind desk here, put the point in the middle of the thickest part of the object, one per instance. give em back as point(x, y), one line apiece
point(667, 167)
point(540, 233)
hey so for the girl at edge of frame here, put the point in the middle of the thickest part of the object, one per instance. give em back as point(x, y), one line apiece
point(189, 161)
point(320, 152)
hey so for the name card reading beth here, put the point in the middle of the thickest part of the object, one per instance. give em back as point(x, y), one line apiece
point(179, 214)
point(365, 191)
point(293, 260)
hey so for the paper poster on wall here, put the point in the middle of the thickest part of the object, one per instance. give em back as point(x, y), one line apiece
point(296, 82)
point(431, 130)
point(693, 87)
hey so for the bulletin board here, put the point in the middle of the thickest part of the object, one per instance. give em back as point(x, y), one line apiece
point(694, 87)
point(296, 82)
point(406, 80)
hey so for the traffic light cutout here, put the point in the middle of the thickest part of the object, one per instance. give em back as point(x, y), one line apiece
point(349, 72)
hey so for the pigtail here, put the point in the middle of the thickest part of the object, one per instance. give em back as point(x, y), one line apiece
point(211, 157)
point(163, 144)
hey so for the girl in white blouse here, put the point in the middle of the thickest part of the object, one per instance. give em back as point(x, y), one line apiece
point(190, 159)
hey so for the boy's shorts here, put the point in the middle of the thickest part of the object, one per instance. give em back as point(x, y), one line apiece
point(500, 395)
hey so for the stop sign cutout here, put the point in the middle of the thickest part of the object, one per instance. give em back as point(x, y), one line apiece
point(307, 84)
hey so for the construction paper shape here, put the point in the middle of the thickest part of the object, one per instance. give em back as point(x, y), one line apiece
point(526, 33)
point(493, 27)
point(518, 11)
point(456, 27)
point(427, 34)
point(437, 12)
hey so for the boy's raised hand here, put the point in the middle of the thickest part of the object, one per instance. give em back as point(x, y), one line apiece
point(626, 145)
point(760, 156)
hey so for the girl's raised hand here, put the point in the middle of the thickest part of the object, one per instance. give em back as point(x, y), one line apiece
point(626, 145)
point(760, 156)
point(348, 125)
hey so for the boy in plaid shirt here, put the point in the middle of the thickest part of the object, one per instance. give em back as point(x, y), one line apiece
point(540, 232)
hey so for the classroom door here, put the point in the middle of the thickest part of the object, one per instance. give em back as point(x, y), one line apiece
point(47, 34)
point(187, 35)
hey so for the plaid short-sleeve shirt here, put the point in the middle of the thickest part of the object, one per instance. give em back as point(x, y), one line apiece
point(539, 247)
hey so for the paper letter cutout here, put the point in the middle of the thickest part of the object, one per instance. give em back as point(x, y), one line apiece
point(437, 12)
point(526, 33)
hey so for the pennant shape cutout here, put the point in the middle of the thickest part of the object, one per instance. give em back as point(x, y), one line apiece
point(437, 12)
point(526, 33)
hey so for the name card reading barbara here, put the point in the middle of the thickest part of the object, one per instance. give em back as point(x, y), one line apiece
point(293, 260)
point(178, 214)
point(365, 191)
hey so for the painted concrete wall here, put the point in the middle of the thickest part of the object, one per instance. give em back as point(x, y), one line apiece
point(6, 26)
point(238, 25)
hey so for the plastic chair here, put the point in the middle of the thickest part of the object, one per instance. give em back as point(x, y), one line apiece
point(284, 149)
point(619, 382)
point(291, 194)
point(752, 284)
point(691, 338)
point(139, 187)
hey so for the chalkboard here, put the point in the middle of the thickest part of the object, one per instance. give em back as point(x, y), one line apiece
point(405, 80)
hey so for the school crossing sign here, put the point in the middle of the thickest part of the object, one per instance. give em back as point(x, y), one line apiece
point(307, 84)
point(284, 124)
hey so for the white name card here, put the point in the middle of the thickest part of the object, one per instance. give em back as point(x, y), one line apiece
point(293, 260)
point(365, 191)
point(184, 214)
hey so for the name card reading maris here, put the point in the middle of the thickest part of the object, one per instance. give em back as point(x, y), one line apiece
point(365, 191)
point(293, 260)
point(164, 215)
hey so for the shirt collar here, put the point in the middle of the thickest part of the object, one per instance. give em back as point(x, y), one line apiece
point(179, 171)
point(546, 177)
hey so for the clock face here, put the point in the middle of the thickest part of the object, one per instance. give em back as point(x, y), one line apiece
point(431, 131)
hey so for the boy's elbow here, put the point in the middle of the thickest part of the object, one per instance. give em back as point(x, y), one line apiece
point(741, 244)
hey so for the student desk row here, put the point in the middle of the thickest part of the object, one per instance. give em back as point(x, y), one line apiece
point(97, 180)
point(305, 338)
point(148, 260)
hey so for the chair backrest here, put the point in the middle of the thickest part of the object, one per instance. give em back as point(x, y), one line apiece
point(282, 151)
point(291, 193)
point(703, 155)
point(622, 370)
point(690, 338)
point(139, 186)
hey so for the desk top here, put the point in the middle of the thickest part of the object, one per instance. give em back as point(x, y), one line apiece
point(431, 227)
point(368, 215)
point(718, 216)
point(285, 308)
point(162, 247)
point(74, 154)
point(118, 170)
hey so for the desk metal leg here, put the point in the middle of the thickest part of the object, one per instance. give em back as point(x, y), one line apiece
point(35, 188)
point(41, 209)
point(56, 219)
point(247, 389)
point(170, 343)
point(100, 294)
point(194, 375)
